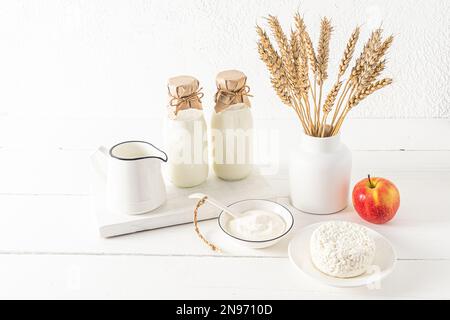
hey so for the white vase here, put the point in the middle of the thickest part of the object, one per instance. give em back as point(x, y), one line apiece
point(319, 175)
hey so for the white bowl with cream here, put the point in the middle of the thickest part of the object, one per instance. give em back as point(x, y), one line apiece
point(262, 224)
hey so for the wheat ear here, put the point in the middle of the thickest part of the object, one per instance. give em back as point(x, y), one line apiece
point(362, 94)
point(273, 62)
point(285, 49)
point(288, 60)
point(358, 97)
point(302, 63)
point(279, 80)
point(367, 55)
point(312, 63)
point(343, 66)
point(348, 53)
point(301, 69)
point(323, 53)
point(303, 51)
point(328, 105)
point(360, 73)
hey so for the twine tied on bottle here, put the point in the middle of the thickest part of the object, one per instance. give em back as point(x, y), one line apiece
point(231, 89)
point(190, 101)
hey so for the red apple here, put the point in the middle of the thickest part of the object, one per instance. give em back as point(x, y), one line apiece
point(376, 199)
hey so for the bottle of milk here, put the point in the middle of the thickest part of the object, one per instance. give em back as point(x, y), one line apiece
point(232, 127)
point(186, 135)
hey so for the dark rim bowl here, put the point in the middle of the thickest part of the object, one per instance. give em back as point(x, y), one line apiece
point(257, 241)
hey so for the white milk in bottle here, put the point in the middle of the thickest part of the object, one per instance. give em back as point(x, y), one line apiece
point(232, 127)
point(186, 137)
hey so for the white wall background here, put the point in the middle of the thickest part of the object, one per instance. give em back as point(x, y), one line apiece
point(74, 73)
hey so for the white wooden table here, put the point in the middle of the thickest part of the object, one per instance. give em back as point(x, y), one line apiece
point(50, 247)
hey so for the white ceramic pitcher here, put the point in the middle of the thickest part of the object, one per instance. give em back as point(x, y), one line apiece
point(132, 172)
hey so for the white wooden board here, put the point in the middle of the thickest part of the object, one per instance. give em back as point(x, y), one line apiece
point(178, 208)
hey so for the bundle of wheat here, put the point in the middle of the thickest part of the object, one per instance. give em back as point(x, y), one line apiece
point(290, 68)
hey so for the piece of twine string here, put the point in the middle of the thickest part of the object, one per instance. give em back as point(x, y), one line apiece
point(244, 91)
point(179, 102)
point(197, 230)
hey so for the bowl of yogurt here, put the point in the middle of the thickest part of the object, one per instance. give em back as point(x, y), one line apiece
point(261, 223)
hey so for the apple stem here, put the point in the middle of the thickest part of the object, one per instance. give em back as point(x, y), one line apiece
point(371, 185)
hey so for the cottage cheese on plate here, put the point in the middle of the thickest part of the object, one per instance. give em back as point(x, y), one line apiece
point(342, 249)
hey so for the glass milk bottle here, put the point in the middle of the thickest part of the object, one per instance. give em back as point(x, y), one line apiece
point(232, 127)
point(186, 138)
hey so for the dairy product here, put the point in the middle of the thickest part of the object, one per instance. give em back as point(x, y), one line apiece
point(257, 225)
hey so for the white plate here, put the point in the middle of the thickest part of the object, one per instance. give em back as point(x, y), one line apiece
point(383, 264)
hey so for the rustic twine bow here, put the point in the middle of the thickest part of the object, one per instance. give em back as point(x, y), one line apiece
point(231, 97)
point(185, 102)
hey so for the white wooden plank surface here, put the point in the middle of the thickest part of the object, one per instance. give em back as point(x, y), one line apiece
point(47, 222)
point(67, 224)
point(128, 277)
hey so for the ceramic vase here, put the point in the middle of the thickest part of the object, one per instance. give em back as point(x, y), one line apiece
point(319, 175)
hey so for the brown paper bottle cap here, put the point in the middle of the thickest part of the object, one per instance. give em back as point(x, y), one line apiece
point(231, 89)
point(184, 93)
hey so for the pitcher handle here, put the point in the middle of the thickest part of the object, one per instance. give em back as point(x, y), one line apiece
point(98, 160)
